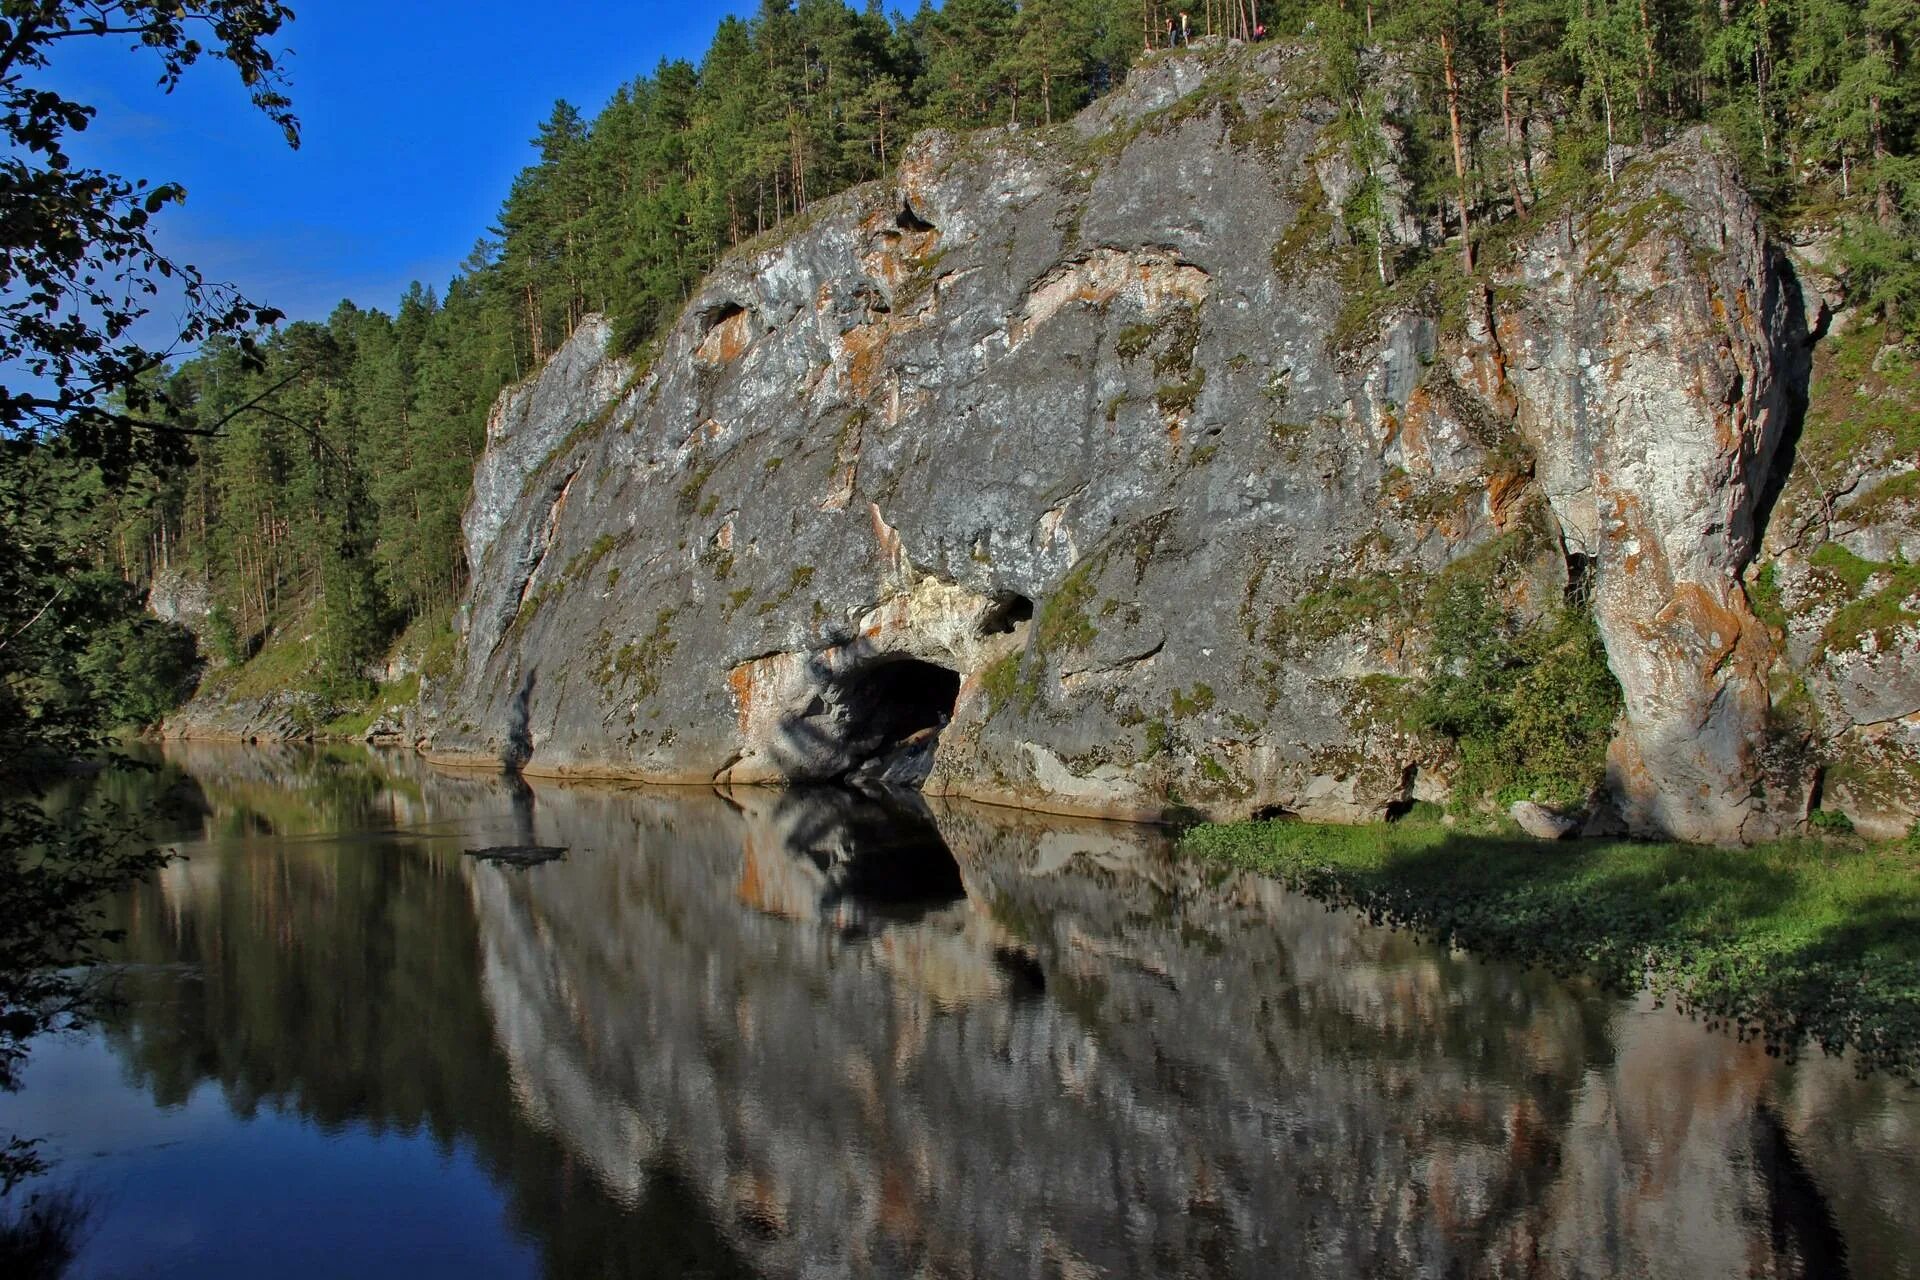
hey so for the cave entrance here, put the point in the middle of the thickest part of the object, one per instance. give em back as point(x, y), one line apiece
point(892, 713)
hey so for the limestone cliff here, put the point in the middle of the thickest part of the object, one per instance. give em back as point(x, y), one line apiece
point(1077, 469)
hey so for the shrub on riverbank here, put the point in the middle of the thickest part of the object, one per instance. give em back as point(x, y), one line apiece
point(1794, 941)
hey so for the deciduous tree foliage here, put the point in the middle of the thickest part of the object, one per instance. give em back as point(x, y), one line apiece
point(84, 410)
point(78, 267)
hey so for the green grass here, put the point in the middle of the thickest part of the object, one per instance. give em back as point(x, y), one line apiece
point(353, 723)
point(1763, 594)
point(284, 662)
point(1007, 686)
point(431, 636)
point(1175, 398)
point(1797, 941)
point(1864, 401)
point(1879, 613)
point(1063, 624)
point(1185, 706)
point(1882, 504)
point(1133, 341)
point(1307, 241)
point(638, 664)
point(1334, 604)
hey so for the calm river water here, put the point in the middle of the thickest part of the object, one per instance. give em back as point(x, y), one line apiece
point(798, 1034)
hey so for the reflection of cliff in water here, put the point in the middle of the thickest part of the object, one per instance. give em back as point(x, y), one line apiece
point(1067, 1054)
point(1224, 1079)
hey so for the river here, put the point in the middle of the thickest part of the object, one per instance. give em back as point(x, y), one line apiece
point(804, 1034)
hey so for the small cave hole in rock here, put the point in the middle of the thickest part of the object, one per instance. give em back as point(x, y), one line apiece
point(1579, 579)
point(1026, 980)
point(1817, 791)
point(1007, 613)
point(894, 712)
point(1273, 813)
point(1398, 809)
point(718, 314)
point(908, 220)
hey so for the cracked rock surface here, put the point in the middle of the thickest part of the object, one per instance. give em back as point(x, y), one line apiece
point(1087, 421)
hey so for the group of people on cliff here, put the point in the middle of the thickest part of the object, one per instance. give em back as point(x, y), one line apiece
point(1177, 31)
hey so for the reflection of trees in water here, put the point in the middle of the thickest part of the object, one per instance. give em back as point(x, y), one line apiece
point(714, 1038)
point(336, 982)
point(279, 789)
point(41, 1237)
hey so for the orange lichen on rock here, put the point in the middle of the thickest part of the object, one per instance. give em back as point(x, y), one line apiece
point(1730, 636)
point(896, 245)
point(740, 681)
point(1504, 491)
point(863, 347)
point(727, 340)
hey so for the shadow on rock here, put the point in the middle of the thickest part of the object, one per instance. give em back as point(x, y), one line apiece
point(519, 748)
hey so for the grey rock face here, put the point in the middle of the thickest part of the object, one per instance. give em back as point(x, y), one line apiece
point(178, 596)
point(1069, 448)
point(1541, 822)
point(1653, 361)
point(517, 491)
point(229, 717)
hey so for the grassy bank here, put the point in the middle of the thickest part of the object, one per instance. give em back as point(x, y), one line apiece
point(1794, 941)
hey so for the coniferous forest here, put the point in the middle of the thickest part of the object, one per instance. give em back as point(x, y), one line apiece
point(339, 454)
point(295, 489)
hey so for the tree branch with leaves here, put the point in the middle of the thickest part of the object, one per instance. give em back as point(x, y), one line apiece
point(79, 267)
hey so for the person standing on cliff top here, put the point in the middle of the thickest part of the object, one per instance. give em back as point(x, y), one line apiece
point(1186, 29)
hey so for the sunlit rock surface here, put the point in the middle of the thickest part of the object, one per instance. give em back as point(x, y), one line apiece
point(1657, 359)
point(1087, 419)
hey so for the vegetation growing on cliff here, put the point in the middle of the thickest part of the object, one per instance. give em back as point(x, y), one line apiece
point(1875, 597)
point(1865, 404)
point(1522, 692)
point(1530, 706)
point(344, 450)
point(1805, 940)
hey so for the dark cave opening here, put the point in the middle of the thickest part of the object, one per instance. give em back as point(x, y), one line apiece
point(894, 711)
point(893, 701)
point(907, 220)
point(1579, 592)
point(881, 856)
point(718, 314)
point(1007, 613)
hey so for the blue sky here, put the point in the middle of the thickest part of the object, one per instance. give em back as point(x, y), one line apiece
point(415, 116)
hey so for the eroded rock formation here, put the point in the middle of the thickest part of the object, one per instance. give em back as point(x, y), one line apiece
point(1086, 449)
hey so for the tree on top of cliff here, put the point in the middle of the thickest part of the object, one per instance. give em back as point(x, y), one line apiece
point(1465, 117)
point(78, 264)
